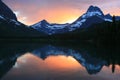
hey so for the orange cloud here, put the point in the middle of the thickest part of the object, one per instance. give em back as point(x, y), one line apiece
point(62, 11)
point(56, 15)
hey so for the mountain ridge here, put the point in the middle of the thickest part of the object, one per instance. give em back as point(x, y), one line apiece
point(10, 27)
point(91, 13)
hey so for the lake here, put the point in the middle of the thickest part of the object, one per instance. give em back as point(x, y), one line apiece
point(36, 61)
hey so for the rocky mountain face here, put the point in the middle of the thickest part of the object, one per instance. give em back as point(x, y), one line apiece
point(6, 11)
point(10, 28)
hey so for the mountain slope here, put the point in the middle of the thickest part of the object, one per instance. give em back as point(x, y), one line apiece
point(10, 28)
point(6, 11)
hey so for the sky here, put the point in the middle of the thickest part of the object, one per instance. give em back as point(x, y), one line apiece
point(30, 12)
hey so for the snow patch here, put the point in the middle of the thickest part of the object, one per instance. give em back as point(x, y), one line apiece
point(77, 24)
point(108, 20)
point(2, 17)
point(49, 26)
point(90, 14)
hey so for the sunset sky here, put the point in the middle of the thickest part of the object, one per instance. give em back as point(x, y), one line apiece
point(58, 11)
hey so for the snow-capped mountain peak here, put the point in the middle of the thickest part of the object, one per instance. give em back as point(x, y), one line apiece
point(93, 11)
point(92, 16)
point(48, 28)
point(44, 22)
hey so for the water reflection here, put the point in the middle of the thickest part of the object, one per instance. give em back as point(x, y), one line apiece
point(92, 64)
point(31, 67)
point(48, 62)
point(6, 64)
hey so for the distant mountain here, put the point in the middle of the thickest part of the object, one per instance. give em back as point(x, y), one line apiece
point(92, 16)
point(47, 28)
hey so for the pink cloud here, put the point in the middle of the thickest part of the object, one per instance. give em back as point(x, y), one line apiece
point(37, 10)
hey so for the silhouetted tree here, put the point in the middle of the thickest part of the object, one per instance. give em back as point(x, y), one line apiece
point(113, 66)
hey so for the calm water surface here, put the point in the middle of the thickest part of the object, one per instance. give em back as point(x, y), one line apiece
point(49, 62)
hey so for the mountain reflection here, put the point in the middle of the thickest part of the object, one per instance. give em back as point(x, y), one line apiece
point(92, 64)
point(88, 57)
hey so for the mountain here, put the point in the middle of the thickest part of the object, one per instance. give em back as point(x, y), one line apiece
point(108, 16)
point(92, 16)
point(6, 11)
point(92, 11)
point(10, 27)
point(117, 17)
point(48, 28)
